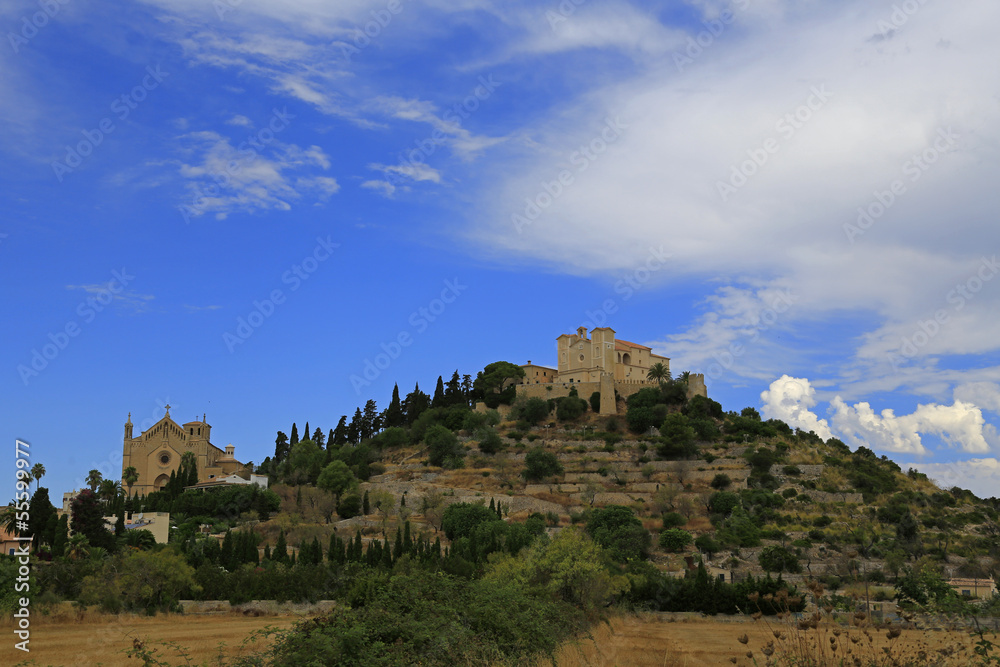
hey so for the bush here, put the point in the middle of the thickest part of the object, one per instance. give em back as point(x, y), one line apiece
point(349, 506)
point(532, 410)
point(444, 448)
point(540, 464)
point(678, 437)
point(673, 520)
point(675, 539)
point(778, 559)
point(489, 441)
point(595, 401)
point(723, 502)
point(570, 408)
point(720, 481)
point(617, 529)
point(708, 545)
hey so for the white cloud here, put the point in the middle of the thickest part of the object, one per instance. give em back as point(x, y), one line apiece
point(981, 476)
point(789, 400)
point(112, 292)
point(960, 425)
point(242, 121)
point(415, 171)
point(222, 179)
point(385, 187)
point(985, 395)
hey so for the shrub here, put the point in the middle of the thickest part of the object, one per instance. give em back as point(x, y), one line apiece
point(595, 401)
point(444, 448)
point(778, 559)
point(723, 502)
point(675, 539)
point(532, 410)
point(349, 506)
point(673, 520)
point(616, 528)
point(570, 408)
point(489, 441)
point(721, 481)
point(540, 464)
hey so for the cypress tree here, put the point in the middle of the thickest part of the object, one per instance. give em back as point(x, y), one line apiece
point(226, 557)
point(305, 432)
point(365, 507)
point(280, 553)
point(358, 547)
point(438, 400)
point(317, 551)
point(294, 439)
point(120, 524)
point(394, 414)
point(318, 437)
point(397, 550)
point(267, 552)
point(386, 559)
point(61, 536)
point(340, 433)
point(493, 507)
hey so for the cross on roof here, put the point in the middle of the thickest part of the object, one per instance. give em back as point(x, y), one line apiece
point(167, 408)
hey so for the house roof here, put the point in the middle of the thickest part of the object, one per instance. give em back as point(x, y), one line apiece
point(626, 344)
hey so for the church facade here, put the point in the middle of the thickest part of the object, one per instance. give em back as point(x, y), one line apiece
point(157, 451)
point(598, 363)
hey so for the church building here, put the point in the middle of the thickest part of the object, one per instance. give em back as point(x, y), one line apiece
point(157, 452)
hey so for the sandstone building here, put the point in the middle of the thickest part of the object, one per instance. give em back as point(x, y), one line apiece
point(599, 363)
point(157, 452)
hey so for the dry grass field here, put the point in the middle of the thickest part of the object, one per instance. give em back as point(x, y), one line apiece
point(68, 640)
point(651, 640)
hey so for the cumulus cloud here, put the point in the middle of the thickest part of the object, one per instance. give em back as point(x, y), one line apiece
point(986, 395)
point(981, 476)
point(790, 399)
point(960, 425)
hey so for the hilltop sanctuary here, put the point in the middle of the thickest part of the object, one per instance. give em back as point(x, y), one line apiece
point(602, 364)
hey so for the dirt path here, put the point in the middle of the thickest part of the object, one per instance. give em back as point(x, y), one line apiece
point(101, 641)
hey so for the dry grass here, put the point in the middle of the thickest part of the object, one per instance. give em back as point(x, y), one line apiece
point(86, 639)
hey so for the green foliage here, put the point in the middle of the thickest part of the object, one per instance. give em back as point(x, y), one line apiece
point(617, 529)
point(673, 520)
point(925, 588)
point(707, 544)
point(723, 502)
point(336, 478)
point(540, 464)
point(530, 410)
point(349, 506)
point(703, 407)
point(88, 520)
point(678, 437)
point(595, 401)
point(461, 519)
point(443, 447)
point(139, 580)
point(778, 559)
point(497, 382)
point(675, 539)
point(570, 407)
point(721, 481)
point(490, 441)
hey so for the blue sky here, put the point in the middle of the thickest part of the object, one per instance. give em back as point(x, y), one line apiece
point(234, 206)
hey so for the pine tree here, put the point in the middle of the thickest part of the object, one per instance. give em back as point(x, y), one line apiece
point(340, 433)
point(394, 413)
point(415, 404)
point(318, 437)
point(438, 400)
point(370, 422)
point(453, 390)
point(295, 436)
point(467, 389)
point(354, 428)
point(281, 447)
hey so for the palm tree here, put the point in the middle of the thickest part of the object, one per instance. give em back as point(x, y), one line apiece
point(78, 546)
point(37, 471)
point(109, 490)
point(658, 372)
point(94, 478)
point(130, 477)
point(8, 518)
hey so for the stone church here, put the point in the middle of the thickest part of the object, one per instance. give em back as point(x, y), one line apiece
point(157, 452)
point(598, 363)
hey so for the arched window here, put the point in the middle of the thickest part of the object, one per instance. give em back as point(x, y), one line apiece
point(626, 358)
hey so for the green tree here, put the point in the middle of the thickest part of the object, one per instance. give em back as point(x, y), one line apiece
point(140, 580)
point(295, 436)
point(443, 447)
point(336, 478)
point(281, 447)
point(618, 529)
point(438, 400)
point(340, 436)
point(678, 437)
point(675, 539)
point(40, 513)
point(349, 505)
point(778, 559)
point(61, 537)
point(94, 479)
point(130, 476)
point(394, 414)
point(489, 441)
point(280, 552)
point(496, 382)
point(531, 410)
point(658, 373)
point(540, 464)
point(88, 520)
point(37, 471)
